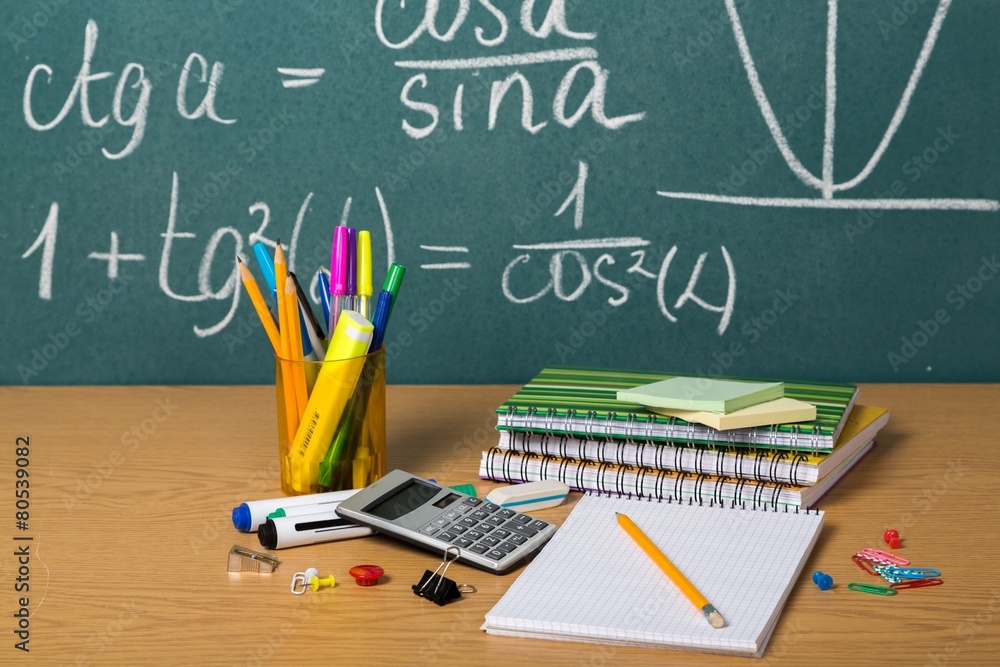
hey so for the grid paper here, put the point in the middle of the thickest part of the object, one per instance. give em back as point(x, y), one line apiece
point(593, 583)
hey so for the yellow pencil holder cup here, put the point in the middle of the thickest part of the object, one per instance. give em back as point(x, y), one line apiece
point(331, 423)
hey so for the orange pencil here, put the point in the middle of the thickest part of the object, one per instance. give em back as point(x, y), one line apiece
point(711, 614)
point(257, 299)
point(292, 414)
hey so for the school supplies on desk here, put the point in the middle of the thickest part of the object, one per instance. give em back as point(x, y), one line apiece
point(701, 393)
point(593, 583)
point(333, 389)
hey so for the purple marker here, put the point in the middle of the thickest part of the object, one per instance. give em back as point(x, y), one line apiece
point(352, 267)
point(338, 275)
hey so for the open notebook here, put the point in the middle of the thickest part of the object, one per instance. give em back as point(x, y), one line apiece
point(592, 583)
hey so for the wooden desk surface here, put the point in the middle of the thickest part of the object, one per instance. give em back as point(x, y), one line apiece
point(131, 490)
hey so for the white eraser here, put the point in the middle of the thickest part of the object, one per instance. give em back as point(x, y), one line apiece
point(530, 496)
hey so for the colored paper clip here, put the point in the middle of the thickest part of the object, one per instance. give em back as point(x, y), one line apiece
point(865, 564)
point(913, 572)
point(871, 588)
point(892, 559)
point(917, 583)
point(884, 572)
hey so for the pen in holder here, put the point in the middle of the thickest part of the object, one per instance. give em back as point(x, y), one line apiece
point(337, 439)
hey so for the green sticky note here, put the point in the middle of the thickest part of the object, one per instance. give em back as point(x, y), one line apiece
point(701, 393)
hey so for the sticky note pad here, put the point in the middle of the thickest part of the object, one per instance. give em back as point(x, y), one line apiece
point(700, 393)
point(778, 411)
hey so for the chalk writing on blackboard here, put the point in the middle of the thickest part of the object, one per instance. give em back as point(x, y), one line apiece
point(825, 182)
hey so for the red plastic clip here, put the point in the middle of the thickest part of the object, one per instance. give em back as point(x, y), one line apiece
point(918, 583)
point(864, 564)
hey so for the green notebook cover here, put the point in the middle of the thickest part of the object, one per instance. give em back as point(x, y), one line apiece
point(566, 400)
point(701, 393)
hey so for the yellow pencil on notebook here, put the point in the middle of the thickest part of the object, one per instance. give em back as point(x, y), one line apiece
point(257, 299)
point(676, 576)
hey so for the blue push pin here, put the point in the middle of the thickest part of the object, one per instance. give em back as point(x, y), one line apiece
point(824, 581)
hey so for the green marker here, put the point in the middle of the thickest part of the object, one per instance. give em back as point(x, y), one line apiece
point(393, 279)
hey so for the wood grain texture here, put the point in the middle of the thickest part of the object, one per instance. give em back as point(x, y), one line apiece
point(132, 487)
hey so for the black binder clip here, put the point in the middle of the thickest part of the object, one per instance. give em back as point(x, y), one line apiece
point(436, 587)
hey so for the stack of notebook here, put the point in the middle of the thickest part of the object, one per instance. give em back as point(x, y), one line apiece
point(569, 424)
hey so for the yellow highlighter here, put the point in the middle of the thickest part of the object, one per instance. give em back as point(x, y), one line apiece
point(333, 389)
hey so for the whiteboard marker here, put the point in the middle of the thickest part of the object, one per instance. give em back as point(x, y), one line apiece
point(294, 531)
point(248, 516)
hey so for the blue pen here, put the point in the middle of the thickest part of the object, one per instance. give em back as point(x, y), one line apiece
point(380, 319)
point(266, 265)
point(324, 295)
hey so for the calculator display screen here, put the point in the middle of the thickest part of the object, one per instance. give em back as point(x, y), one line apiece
point(405, 499)
point(447, 500)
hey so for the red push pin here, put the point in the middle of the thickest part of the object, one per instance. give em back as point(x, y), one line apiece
point(366, 575)
point(891, 538)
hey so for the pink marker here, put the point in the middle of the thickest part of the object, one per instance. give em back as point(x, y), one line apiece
point(338, 276)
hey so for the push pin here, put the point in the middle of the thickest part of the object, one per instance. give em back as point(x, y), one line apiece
point(824, 581)
point(366, 575)
point(436, 587)
point(302, 581)
point(891, 538)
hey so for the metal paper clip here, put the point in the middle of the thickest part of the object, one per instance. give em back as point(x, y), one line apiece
point(443, 590)
point(864, 563)
point(870, 588)
point(893, 559)
point(242, 559)
point(918, 583)
point(914, 572)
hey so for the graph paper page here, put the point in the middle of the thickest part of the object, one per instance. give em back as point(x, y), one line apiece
point(592, 582)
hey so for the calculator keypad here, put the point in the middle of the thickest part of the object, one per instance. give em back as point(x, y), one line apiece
point(484, 528)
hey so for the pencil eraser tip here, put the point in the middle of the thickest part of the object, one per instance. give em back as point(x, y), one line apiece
point(716, 620)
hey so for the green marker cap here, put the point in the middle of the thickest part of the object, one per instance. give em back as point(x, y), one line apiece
point(393, 279)
point(277, 514)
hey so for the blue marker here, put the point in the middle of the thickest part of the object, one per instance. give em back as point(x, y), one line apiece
point(324, 295)
point(266, 265)
point(380, 319)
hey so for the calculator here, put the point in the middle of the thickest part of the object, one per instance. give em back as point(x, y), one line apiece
point(411, 509)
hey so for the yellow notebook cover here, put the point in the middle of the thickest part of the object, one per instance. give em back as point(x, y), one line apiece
point(778, 411)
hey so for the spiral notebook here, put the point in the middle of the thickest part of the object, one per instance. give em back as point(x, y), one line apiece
point(592, 583)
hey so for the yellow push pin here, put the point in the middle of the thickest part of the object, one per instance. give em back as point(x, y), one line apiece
point(318, 583)
point(302, 581)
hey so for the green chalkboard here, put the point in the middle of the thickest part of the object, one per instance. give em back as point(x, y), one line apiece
point(776, 188)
